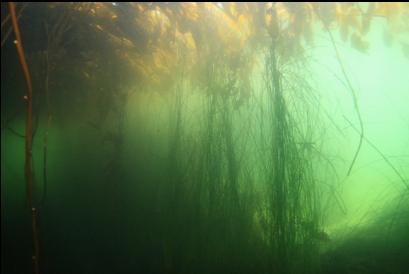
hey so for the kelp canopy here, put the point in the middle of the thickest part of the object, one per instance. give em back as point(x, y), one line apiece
point(153, 39)
point(185, 137)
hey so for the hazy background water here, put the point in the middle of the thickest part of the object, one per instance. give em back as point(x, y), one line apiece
point(131, 177)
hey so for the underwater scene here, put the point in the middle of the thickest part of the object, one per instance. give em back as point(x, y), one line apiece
point(195, 138)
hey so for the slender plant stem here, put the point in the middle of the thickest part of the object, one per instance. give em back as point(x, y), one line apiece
point(28, 136)
point(353, 94)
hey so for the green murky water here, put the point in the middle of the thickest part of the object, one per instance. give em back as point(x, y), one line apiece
point(207, 138)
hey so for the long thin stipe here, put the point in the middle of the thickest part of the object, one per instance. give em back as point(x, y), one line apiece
point(6, 36)
point(29, 127)
point(352, 91)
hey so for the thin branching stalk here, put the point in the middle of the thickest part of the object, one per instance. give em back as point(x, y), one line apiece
point(28, 143)
point(353, 95)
